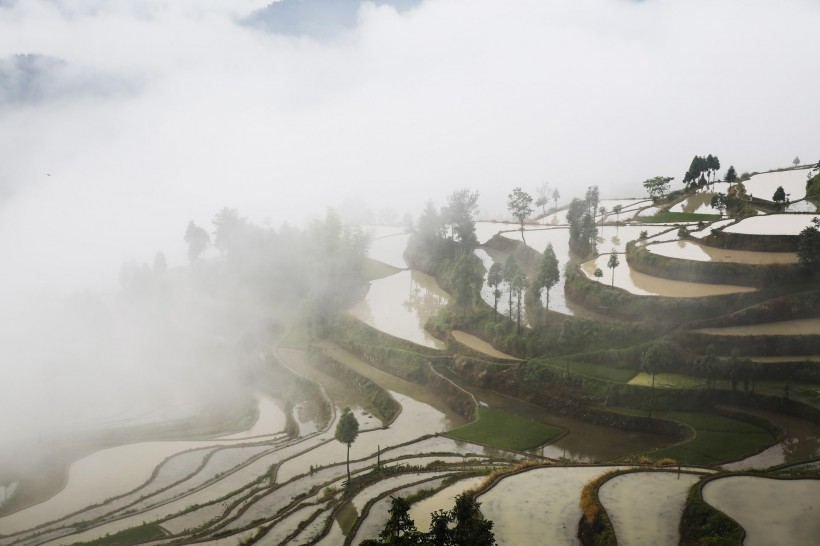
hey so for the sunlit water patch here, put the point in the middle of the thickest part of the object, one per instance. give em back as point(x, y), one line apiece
point(771, 511)
point(690, 250)
point(647, 285)
point(645, 507)
point(772, 224)
point(400, 305)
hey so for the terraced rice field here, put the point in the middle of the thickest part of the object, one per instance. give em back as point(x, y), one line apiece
point(645, 507)
point(547, 509)
point(770, 511)
point(400, 305)
point(772, 224)
point(642, 284)
point(765, 184)
point(690, 250)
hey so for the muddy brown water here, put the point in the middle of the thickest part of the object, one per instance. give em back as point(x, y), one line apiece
point(480, 345)
point(400, 304)
point(690, 250)
point(647, 285)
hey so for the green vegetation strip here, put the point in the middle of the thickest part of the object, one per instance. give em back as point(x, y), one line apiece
point(717, 439)
point(664, 217)
point(701, 523)
point(505, 431)
point(143, 533)
point(593, 371)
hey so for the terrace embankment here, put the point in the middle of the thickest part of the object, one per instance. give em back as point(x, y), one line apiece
point(642, 259)
point(403, 359)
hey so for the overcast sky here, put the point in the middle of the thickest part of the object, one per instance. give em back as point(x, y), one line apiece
point(139, 116)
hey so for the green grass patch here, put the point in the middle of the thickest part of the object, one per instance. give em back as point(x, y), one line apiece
point(505, 430)
point(374, 269)
point(668, 380)
point(664, 217)
point(597, 371)
point(134, 535)
point(717, 439)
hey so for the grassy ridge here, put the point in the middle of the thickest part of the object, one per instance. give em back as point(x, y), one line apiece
point(505, 430)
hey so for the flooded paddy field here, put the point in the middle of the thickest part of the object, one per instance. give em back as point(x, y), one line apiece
point(443, 500)
point(547, 508)
point(645, 507)
point(478, 344)
point(771, 511)
point(387, 246)
point(700, 203)
point(800, 443)
point(642, 284)
point(691, 250)
point(707, 230)
point(400, 304)
point(262, 480)
point(764, 185)
point(583, 442)
point(771, 224)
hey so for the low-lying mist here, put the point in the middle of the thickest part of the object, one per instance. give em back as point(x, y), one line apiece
point(170, 344)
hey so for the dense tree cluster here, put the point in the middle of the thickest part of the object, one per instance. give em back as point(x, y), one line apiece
point(548, 273)
point(583, 234)
point(808, 246)
point(699, 169)
point(322, 263)
point(461, 526)
point(442, 244)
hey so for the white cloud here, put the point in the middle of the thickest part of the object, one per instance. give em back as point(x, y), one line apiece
point(455, 93)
